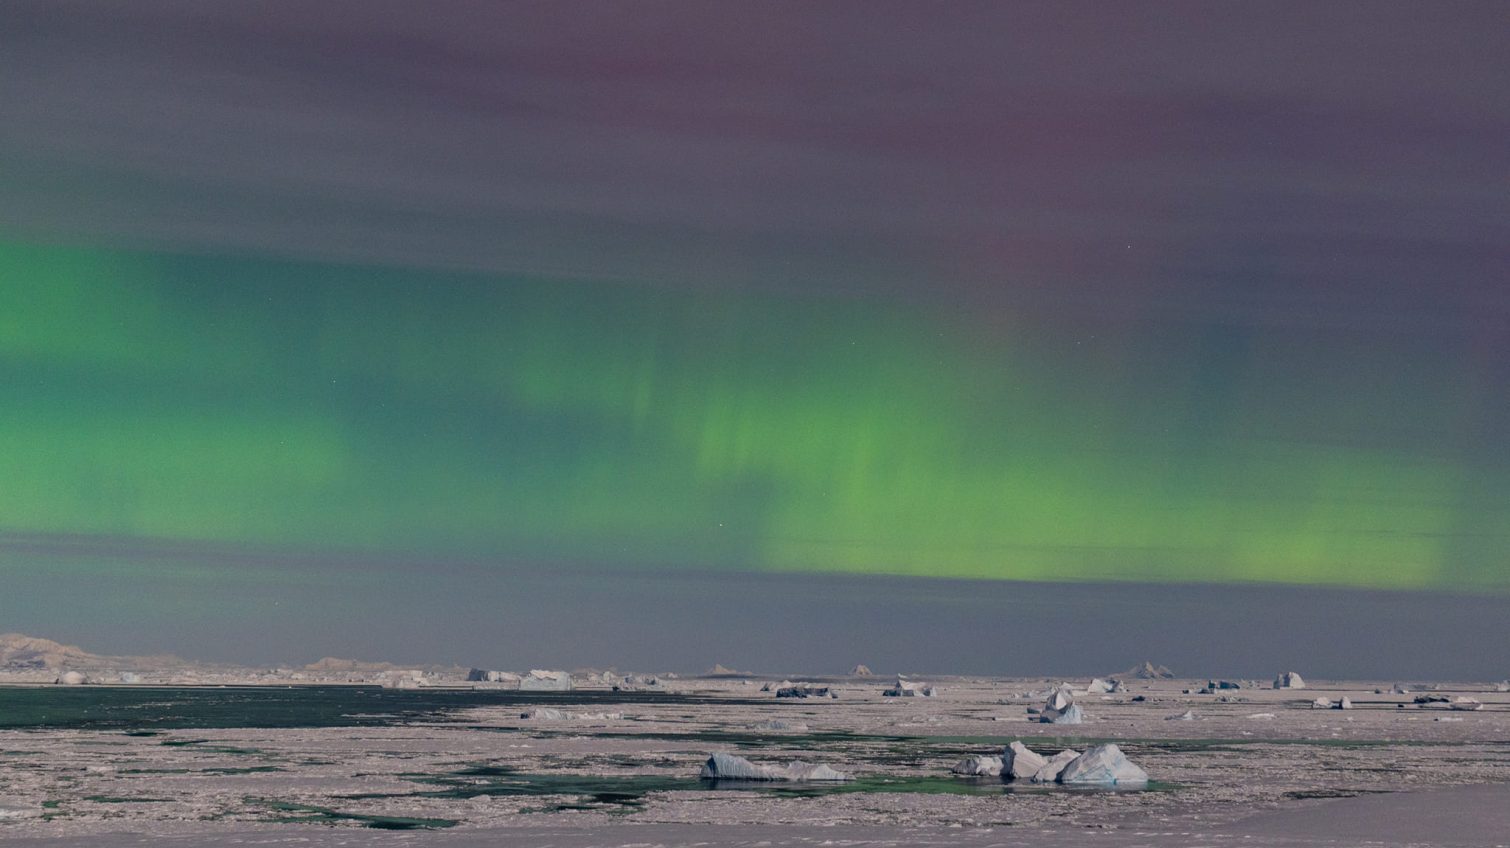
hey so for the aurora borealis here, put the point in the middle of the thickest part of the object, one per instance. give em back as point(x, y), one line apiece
point(304, 308)
point(338, 407)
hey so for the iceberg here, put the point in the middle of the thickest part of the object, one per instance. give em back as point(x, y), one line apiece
point(1103, 765)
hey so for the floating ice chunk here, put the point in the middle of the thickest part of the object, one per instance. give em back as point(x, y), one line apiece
point(484, 675)
point(907, 689)
point(980, 765)
point(1019, 763)
point(1103, 765)
point(1061, 708)
point(545, 681)
point(1070, 715)
point(805, 691)
point(815, 773)
point(1055, 764)
point(1060, 699)
point(730, 767)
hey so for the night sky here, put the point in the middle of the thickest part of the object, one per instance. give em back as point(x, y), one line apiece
point(304, 310)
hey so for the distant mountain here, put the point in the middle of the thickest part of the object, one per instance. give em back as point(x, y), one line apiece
point(21, 652)
point(336, 665)
point(1149, 671)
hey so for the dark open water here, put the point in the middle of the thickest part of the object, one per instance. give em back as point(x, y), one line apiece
point(144, 708)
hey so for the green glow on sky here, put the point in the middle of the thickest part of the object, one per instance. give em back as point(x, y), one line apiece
point(327, 407)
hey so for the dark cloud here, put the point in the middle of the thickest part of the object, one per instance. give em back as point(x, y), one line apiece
point(1319, 164)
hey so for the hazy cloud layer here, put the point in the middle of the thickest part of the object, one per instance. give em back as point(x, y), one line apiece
point(283, 608)
point(1339, 164)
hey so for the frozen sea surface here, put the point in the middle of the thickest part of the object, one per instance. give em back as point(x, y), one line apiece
point(318, 766)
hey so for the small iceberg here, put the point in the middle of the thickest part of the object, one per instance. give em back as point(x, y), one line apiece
point(979, 766)
point(730, 767)
point(1103, 765)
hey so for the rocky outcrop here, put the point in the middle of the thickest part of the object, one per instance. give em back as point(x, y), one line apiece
point(19, 652)
point(28, 652)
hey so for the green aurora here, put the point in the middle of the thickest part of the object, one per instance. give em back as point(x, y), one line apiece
point(304, 406)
